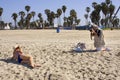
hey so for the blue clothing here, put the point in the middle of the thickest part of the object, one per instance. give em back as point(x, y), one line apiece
point(19, 59)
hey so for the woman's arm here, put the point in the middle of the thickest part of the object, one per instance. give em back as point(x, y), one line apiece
point(14, 55)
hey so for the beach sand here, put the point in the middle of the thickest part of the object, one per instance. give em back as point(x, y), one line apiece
point(53, 51)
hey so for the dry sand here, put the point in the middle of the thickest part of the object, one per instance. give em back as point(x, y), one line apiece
point(53, 51)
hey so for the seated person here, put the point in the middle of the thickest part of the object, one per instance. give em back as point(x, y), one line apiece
point(22, 58)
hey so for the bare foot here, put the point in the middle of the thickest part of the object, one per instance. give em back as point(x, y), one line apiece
point(35, 65)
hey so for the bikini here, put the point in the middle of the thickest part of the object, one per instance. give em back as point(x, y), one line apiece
point(19, 59)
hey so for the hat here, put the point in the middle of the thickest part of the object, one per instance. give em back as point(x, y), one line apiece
point(94, 25)
point(16, 46)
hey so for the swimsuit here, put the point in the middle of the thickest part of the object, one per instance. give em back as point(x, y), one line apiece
point(19, 59)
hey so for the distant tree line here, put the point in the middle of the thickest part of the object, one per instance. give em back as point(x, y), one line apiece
point(27, 20)
point(110, 20)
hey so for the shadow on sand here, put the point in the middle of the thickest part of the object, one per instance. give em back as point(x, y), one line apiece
point(9, 60)
point(73, 51)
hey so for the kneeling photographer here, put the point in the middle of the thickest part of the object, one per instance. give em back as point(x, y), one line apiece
point(97, 33)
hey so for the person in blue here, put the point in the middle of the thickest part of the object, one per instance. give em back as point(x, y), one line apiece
point(23, 58)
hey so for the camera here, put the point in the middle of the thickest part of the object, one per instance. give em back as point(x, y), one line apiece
point(90, 28)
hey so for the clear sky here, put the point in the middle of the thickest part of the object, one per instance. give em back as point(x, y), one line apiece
point(11, 6)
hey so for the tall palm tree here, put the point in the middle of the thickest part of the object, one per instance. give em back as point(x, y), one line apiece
point(57, 16)
point(95, 17)
point(1, 11)
point(27, 8)
point(28, 18)
point(14, 15)
point(73, 14)
point(40, 21)
point(86, 17)
point(59, 12)
point(111, 10)
point(87, 10)
point(52, 17)
point(64, 10)
point(105, 11)
point(47, 12)
point(33, 14)
point(22, 14)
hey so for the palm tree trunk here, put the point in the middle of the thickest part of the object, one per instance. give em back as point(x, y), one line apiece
point(15, 25)
point(0, 18)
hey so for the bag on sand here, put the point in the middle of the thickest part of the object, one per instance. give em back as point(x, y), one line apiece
point(79, 47)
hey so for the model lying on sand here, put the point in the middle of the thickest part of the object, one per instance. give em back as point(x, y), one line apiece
point(22, 58)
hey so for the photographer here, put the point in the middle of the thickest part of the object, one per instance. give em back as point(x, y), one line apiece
point(97, 33)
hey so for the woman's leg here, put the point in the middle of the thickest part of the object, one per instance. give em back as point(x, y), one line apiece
point(27, 59)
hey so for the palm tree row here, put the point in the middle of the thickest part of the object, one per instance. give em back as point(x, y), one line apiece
point(108, 9)
point(24, 21)
point(27, 20)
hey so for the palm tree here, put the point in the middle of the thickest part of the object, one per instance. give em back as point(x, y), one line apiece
point(14, 15)
point(1, 11)
point(105, 10)
point(94, 4)
point(40, 19)
point(39, 15)
point(27, 8)
point(52, 17)
point(95, 17)
point(98, 8)
point(77, 21)
point(88, 9)
point(47, 12)
point(70, 20)
point(65, 22)
point(28, 18)
point(73, 14)
point(64, 10)
point(59, 12)
point(86, 17)
point(111, 10)
point(2, 24)
point(116, 22)
point(33, 14)
point(102, 22)
point(57, 16)
point(107, 2)
point(22, 14)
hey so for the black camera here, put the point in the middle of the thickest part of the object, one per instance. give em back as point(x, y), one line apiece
point(90, 28)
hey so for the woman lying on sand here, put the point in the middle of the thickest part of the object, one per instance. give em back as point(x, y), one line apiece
point(22, 58)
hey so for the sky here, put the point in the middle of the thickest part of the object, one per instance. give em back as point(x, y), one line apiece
point(11, 6)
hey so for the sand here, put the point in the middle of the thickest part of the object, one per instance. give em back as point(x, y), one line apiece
point(53, 51)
